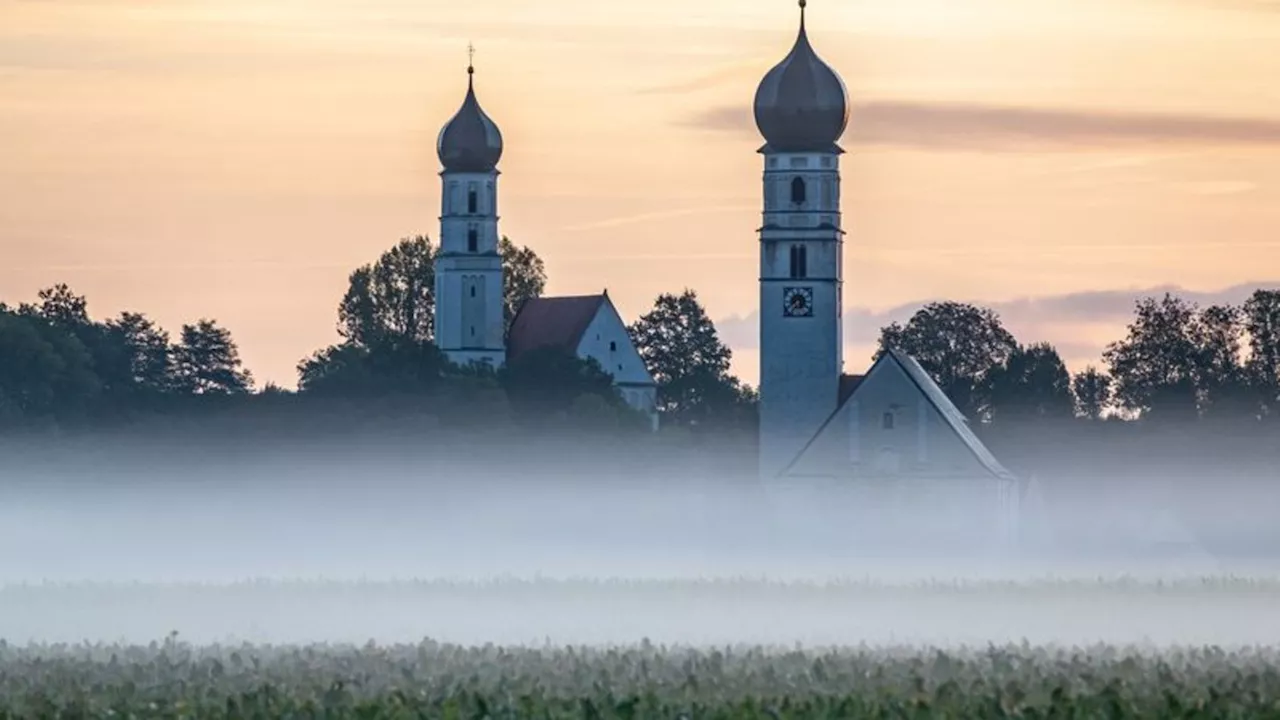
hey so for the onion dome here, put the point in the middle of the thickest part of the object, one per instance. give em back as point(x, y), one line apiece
point(471, 141)
point(801, 104)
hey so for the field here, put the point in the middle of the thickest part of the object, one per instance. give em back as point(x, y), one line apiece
point(729, 648)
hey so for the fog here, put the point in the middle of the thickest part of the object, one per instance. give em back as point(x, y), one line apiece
point(97, 548)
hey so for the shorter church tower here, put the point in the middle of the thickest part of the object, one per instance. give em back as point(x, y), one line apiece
point(469, 320)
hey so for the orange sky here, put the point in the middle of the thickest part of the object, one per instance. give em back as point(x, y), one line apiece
point(238, 158)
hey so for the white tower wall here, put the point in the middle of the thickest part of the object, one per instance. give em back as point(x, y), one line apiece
point(801, 254)
point(469, 323)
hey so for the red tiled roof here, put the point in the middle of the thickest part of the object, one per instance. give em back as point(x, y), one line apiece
point(551, 322)
point(848, 383)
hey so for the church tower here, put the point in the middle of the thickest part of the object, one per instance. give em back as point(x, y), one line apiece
point(801, 109)
point(469, 321)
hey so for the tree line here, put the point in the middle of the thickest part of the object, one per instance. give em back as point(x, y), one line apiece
point(59, 367)
point(1177, 363)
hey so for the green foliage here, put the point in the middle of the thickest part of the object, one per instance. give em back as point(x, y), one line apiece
point(394, 298)
point(1179, 362)
point(524, 277)
point(389, 366)
point(549, 381)
point(683, 352)
point(963, 347)
point(207, 362)
point(1091, 389)
point(433, 680)
point(1033, 383)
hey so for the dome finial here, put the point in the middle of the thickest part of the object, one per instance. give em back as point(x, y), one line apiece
point(471, 58)
point(803, 4)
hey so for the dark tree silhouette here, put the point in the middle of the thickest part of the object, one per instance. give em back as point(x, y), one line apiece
point(524, 277)
point(549, 380)
point(960, 345)
point(207, 362)
point(1155, 367)
point(1262, 323)
point(1091, 389)
point(147, 349)
point(394, 299)
point(682, 350)
point(389, 367)
point(46, 373)
point(1033, 383)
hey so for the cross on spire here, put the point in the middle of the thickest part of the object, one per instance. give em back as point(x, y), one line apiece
point(471, 57)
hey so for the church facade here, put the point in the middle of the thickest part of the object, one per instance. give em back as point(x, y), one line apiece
point(890, 434)
point(470, 325)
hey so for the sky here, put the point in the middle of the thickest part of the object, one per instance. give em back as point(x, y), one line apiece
point(237, 159)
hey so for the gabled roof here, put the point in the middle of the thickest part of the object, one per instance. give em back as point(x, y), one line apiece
point(951, 415)
point(552, 322)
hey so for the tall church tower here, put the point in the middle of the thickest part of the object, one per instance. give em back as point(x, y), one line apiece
point(469, 322)
point(801, 109)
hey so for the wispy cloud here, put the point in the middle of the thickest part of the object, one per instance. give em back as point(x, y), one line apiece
point(1003, 128)
point(1052, 318)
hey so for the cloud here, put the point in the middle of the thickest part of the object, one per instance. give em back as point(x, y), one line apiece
point(1004, 128)
point(1052, 318)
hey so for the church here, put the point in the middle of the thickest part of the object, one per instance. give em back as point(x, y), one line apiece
point(890, 432)
point(889, 427)
point(470, 326)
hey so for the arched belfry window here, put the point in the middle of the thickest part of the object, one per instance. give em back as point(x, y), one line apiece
point(798, 191)
point(473, 239)
point(799, 261)
point(473, 201)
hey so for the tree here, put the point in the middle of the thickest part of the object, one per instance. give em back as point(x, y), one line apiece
point(394, 299)
point(524, 277)
point(1262, 324)
point(147, 349)
point(207, 362)
point(683, 352)
point(960, 345)
point(548, 380)
point(1154, 367)
point(388, 367)
point(1032, 383)
point(45, 371)
point(1222, 380)
point(1179, 362)
point(1092, 390)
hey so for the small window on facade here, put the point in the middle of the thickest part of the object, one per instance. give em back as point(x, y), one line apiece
point(799, 261)
point(887, 422)
point(613, 346)
point(473, 239)
point(473, 201)
point(473, 291)
point(473, 331)
point(797, 191)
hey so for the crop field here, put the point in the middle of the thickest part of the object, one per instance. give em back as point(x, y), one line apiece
point(594, 648)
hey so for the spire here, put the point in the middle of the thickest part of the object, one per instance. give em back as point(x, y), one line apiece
point(801, 104)
point(470, 142)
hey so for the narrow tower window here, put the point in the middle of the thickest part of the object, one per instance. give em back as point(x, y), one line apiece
point(473, 239)
point(799, 261)
point(797, 191)
point(473, 291)
point(887, 422)
point(473, 201)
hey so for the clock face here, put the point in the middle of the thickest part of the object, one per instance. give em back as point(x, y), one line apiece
point(797, 302)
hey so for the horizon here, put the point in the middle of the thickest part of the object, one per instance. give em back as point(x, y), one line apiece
point(1048, 159)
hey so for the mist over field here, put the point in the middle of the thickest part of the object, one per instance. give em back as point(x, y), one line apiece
point(344, 546)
